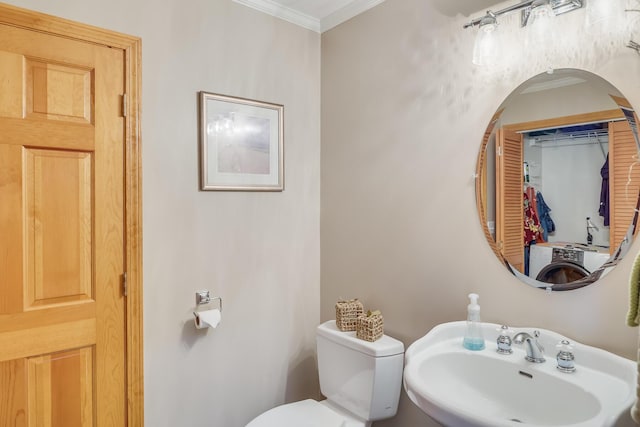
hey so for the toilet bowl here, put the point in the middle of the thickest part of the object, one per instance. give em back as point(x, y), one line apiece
point(306, 413)
point(361, 381)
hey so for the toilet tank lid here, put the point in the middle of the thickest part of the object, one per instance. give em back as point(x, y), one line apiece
point(384, 346)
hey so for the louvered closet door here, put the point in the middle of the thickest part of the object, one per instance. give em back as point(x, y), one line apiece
point(509, 191)
point(62, 355)
point(624, 180)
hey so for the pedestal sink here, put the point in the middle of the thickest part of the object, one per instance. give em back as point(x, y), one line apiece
point(460, 388)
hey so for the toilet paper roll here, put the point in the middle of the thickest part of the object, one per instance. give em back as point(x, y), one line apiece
point(207, 318)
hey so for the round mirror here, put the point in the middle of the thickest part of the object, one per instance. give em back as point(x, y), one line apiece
point(558, 179)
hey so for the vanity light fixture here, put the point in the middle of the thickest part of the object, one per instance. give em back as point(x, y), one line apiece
point(531, 11)
point(535, 7)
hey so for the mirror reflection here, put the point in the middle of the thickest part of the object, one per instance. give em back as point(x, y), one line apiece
point(559, 179)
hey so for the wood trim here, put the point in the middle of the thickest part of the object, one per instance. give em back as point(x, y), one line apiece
point(598, 116)
point(481, 190)
point(24, 18)
point(132, 47)
point(133, 218)
point(623, 102)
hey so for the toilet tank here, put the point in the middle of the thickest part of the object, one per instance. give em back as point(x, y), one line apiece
point(362, 377)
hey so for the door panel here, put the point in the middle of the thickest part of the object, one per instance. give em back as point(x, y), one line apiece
point(509, 204)
point(624, 181)
point(53, 390)
point(58, 92)
point(62, 312)
point(61, 389)
point(13, 386)
point(58, 198)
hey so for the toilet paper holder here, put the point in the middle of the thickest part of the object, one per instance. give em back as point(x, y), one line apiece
point(204, 297)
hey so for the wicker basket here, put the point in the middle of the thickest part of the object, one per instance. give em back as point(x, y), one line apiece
point(370, 326)
point(347, 313)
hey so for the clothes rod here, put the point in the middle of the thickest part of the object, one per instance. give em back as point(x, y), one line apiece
point(619, 119)
point(578, 135)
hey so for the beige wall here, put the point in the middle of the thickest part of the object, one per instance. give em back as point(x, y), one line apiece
point(403, 113)
point(259, 252)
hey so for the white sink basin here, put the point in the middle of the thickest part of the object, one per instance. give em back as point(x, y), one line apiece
point(459, 387)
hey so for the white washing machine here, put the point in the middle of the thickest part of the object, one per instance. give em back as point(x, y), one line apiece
point(542, 254)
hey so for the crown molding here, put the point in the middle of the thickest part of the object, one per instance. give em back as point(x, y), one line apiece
point(354, 8)
point(341, 15)
point(279, 11)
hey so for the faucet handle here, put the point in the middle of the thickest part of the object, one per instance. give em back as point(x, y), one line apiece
point(565, 357)
point(504, 340)
point(536, 335)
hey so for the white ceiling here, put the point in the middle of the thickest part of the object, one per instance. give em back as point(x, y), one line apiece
point(316, 15)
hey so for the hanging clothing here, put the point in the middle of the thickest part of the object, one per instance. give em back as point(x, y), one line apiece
point(603, 211)
point(531, 194)
point(532, 228)
point(544, 210)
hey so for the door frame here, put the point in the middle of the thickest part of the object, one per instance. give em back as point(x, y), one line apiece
point(131, 46)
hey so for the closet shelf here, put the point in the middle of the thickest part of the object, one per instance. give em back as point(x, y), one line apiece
point(562, 139)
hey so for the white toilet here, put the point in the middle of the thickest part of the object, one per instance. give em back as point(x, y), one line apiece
point(361, 380)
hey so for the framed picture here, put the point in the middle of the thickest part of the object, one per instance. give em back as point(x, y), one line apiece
point(241, 144)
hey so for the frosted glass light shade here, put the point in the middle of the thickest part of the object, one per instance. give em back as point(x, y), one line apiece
point(485, 48)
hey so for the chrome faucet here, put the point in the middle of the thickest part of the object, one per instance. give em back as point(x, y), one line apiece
point(535, 351)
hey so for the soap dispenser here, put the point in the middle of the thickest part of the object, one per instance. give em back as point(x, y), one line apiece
point(473, 337)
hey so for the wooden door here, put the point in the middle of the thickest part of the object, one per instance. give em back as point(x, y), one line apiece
point(509, 203)
point(624, 181)
point(62, 309)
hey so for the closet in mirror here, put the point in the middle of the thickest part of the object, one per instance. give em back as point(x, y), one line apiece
point(558, 179)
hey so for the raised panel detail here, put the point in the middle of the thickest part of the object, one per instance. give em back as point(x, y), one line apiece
point(13, 393)
point(59, 92)
point(61, 389)
point(11, 84)
point(58, 201)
